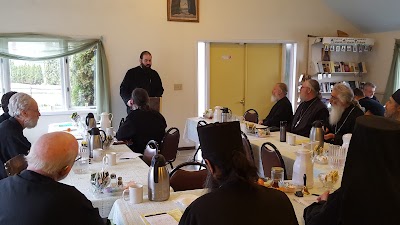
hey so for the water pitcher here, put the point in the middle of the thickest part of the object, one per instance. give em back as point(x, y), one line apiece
point(303, 165)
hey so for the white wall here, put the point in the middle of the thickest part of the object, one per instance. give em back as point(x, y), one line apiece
point(131, 26)
point(380, 61)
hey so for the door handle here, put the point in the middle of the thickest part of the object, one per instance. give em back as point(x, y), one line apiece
point(241, 101)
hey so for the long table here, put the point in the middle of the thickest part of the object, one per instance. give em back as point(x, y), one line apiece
point(287, 151)
point(124, 213)
point(129, 169)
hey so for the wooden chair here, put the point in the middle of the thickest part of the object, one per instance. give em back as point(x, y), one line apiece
point(150, 151)
point(181, 180)
point(247, 148)
point(15, 165)
point(169, 145)
point(251, 115)
point(271, 158)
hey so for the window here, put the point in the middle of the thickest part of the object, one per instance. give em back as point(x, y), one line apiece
point(59, 84)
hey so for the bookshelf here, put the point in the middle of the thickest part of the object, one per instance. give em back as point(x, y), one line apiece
point(337, 59)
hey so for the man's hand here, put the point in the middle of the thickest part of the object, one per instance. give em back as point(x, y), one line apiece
point(323, 197)
point(329, 136)
point(260, 122)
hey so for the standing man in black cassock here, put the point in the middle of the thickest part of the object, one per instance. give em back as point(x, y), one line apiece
point(142, 76)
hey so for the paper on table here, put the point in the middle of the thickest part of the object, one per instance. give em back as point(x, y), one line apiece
point(306, 200)
point(129, 155)
point(169, 218)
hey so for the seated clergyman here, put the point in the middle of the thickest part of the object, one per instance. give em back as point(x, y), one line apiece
point(234, 196)
point(343, 114)
point(35, 196)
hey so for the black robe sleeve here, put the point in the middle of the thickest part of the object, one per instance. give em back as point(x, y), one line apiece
point(325, 212)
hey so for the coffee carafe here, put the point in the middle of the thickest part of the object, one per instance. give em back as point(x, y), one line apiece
point(95, 139)
point(158, 179)
point(317, 133)
point(90, 121)
point(226, 115)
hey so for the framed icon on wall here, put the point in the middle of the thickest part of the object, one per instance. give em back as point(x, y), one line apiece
point(183, 10)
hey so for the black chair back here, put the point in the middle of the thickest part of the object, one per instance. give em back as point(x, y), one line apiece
point(251, 115)
point(169, 145)
point(181, 180)
point(271, 158)
point(15, 165)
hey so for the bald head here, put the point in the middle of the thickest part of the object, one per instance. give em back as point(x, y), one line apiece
point(53, 155)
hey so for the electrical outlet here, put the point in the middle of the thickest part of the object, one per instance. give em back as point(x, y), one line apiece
point(177, 87)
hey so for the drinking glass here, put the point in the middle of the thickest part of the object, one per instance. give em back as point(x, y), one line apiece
point(337, 157)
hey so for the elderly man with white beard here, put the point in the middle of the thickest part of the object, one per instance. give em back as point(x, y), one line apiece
point(282, 110)
point(24, 113)
point(344, 112)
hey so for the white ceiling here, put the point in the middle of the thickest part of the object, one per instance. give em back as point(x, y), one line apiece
point(370, 16)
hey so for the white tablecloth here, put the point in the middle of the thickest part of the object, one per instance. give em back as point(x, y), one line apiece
point(129, 169)
point(124, 213)
point(287, 151)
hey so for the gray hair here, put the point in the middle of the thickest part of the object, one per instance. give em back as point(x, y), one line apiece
point(369, 84)
point(18, 103)
point(345, 94)
point(313, 85)
point(283, 87)
point(52, 167)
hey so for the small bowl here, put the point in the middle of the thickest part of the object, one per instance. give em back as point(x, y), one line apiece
point(286, 186)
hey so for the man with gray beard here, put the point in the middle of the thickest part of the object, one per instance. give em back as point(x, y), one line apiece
point(343, 114)
point(282, 110)
point(393, 106)
point(24, 113)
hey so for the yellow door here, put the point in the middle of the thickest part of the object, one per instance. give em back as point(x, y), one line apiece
point(227, 76)
point(263, 66)
point(244, 72)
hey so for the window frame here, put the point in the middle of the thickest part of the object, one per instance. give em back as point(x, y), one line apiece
point(5, 76)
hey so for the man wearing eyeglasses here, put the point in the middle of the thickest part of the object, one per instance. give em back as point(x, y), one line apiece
point(310, 109)
point(36, 197)
point(344, 113)
point(24, 113)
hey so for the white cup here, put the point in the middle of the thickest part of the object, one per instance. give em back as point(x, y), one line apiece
point(135, 194)
point(97, 154)
point(110, 159)
point(291, 139)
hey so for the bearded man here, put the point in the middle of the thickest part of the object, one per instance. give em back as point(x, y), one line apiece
point(142, 76)
point(310, 109)
point(344, 112)
point(282, 110)
point(393, 106)
point(24, 113)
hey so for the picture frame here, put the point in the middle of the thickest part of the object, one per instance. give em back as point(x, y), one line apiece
point(183, 10)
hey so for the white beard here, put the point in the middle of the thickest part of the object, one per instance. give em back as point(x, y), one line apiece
point(336, 114)
point(30, 123)
point(273, 98)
